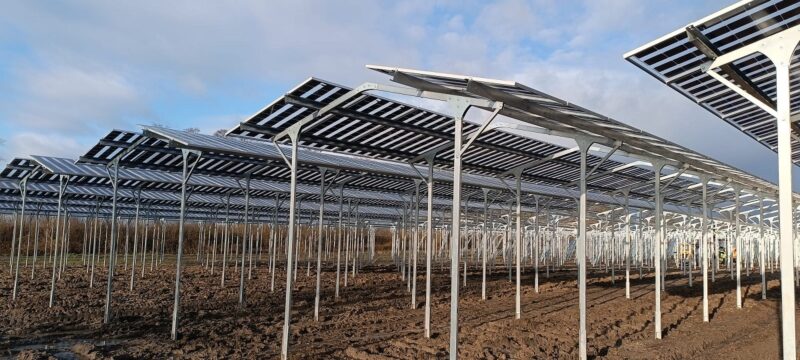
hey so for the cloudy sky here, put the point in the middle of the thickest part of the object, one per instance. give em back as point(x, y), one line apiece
point(70, 71)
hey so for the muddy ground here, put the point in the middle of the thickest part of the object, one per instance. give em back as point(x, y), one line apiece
point(373, 318)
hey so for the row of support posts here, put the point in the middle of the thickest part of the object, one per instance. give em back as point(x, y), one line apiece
point(428, 245)
point(190, 160)
point(459, 106)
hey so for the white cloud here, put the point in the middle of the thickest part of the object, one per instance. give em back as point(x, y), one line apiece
point(98, 65)
point(604, 16)
point(507, 21)
point(25, 144)
point(214, 41)
point(73, 100)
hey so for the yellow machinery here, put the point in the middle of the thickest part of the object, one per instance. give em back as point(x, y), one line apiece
point(686, 250)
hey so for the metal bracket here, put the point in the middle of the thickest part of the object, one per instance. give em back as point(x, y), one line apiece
point(190, 166)
point(323, 170)
point(429, 157)
point(616, 146)
point(463, 104)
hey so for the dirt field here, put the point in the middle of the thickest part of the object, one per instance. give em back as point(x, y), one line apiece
point(373, 319)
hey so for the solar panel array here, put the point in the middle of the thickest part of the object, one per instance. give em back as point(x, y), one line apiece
point(557, 197)
point(88, 186)
point(369, 170)
point(530, 105)
point(675, 60)
point(385, 184)
point(370, 141)
point(377, 127)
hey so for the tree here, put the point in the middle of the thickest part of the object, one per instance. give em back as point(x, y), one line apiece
point(220, 132)
point(192, 130)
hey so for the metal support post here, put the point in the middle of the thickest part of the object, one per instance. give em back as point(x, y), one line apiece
point(293, 134)
point(322, 191)
point(626, 192)
point(737, 191)
point(187, 173)
point(428, 249)
point(761, 248)
point(226, 237)
point(704, 247)
point(580, 249)
point(785, 200)
point(245, 235)
point(114, 177)
point(518, 244)
point(484, 240)
point(459, 107)
point(659, 239)
point(536, 247)
point(138, 197)
point(62, 188)
point(339, 236)
point(23, 188)
point(417, 183)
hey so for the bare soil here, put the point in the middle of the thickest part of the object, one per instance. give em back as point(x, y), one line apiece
point(373, 318)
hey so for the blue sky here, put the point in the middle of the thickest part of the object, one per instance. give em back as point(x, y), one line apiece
point(70, 71)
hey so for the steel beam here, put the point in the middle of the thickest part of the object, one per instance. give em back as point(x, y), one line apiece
point(518, 246)
point(113, 175)
point(293, 135)
point(186, 175)
point(62, 187)
point(322, 189)
point(580, 249)
point(429, 248)
point(23, 188)
point(704, 247)
point(659, 239)
point(245, 235)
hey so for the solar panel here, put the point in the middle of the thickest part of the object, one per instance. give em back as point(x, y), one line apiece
point(390, 130)
point(93, 185)
point(361, 164)
point(678, 60)
point(527, 105)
